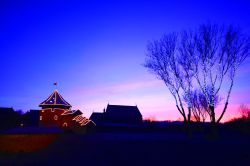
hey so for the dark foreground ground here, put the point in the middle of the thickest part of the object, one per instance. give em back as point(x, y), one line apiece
point(147, 149)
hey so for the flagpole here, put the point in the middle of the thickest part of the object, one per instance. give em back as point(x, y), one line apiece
point(55, 84)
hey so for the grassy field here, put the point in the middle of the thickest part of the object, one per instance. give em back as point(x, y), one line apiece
point(137, 148)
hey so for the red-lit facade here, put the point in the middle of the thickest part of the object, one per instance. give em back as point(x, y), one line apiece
point(56, 112)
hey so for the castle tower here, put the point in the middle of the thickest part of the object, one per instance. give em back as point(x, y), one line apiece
point(52, 109)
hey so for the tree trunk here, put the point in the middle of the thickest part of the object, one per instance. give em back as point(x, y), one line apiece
point(189, 131)
point(212, 114)
point(182, 113)
point(214, 133)
point(189, 114)
point(184, 118)
point(228, 96)
point(223, 112)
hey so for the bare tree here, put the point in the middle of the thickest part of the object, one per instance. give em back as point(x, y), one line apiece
point(244, 111)
point(201, 59)
point(237, 48)
point(186, 51)
point(220, 51)
point(162, 61)
point(200, 107)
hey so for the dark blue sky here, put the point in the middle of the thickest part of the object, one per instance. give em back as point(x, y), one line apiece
point(95, 49)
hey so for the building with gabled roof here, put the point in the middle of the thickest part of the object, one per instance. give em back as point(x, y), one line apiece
point(121, 114)
point(98, 117)
point(9, 117)
point(31, 118)
point(56, 112)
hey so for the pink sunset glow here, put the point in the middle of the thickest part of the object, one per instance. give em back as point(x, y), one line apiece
point(150, 95)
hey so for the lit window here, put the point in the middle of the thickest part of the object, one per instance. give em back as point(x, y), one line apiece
point(41, 118)
point(55, 117)
point(65, 124)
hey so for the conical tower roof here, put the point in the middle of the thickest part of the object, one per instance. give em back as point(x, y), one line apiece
point(55, 100)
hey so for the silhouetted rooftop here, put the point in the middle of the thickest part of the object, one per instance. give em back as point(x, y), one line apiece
point(6, 109)
point(72, 112)
point(97, 116)
point(118, 114)
point(55, 99)
point(121, 110)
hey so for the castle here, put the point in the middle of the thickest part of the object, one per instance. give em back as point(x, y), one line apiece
point(56, 112)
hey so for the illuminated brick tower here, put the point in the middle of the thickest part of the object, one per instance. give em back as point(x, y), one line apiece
point(56, 112)
point(52, 109)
